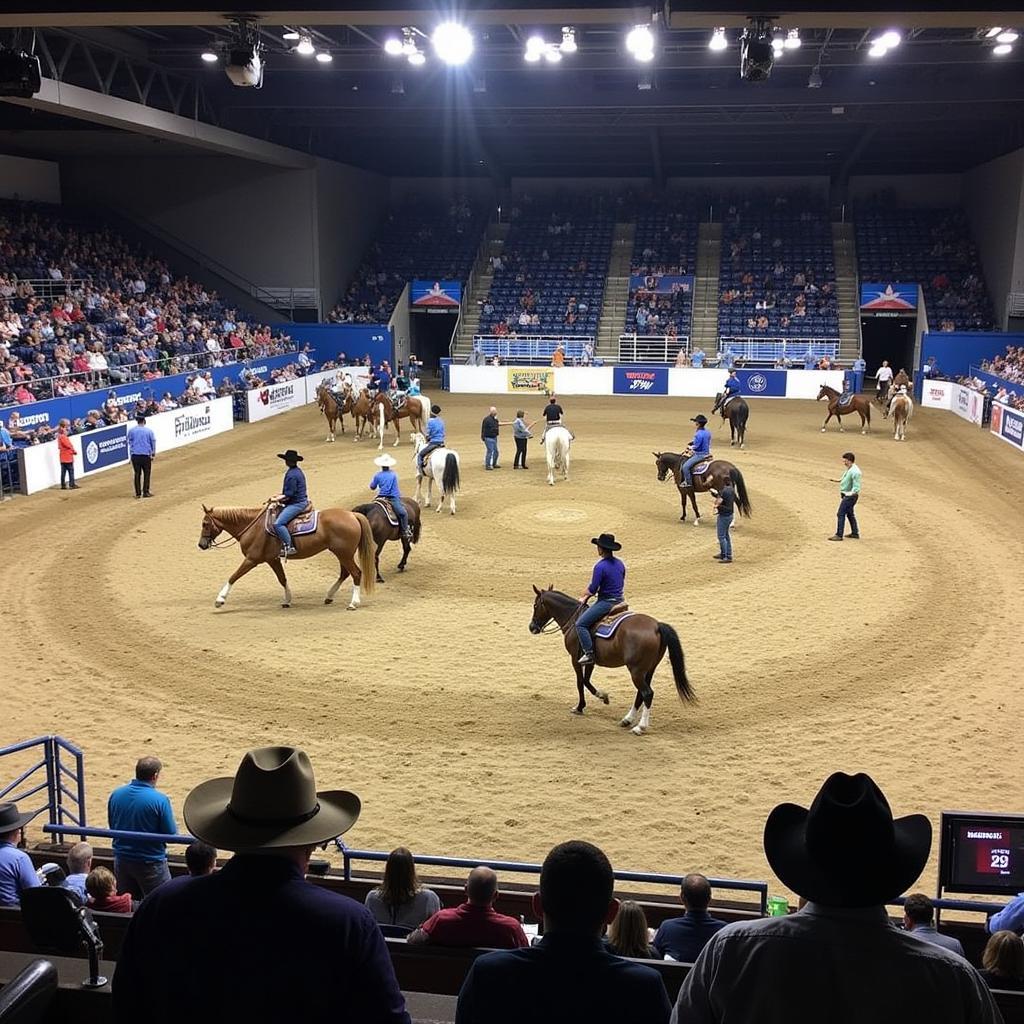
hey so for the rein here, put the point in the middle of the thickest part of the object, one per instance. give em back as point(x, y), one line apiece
point(554, 626)
point(237, 539)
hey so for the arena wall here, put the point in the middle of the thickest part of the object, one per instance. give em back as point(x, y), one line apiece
point(35, 180)
point(928, 190)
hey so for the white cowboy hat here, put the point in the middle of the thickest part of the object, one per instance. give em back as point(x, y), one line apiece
point(385, 460)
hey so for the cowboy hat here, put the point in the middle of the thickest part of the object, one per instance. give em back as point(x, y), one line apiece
point(290, 456)
point(847, 850)
point(10, 819)
point(272, 802)
point(385, 460)
point(607, 541)
point(699, 418)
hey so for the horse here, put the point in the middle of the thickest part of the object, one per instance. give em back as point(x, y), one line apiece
point(557, 441)
point(902, 408)
point(345, 534)
point(441, 467)
point(362, 408)
point(900, 380)
point(717, 475)
point(416, 408)
point(332, 409)
point(736, 412)
point(383, 531)
point(639, 643)
point(858, 403)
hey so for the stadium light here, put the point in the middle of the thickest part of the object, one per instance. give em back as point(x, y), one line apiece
point(417, 58)
point(889, 39)
point(1001, 50)
point(778, 44)
point(718, 40)
point(1007, 36)
point(305, 47)
point(209, 56)
point(532, 56)
point(640, 43)
point(393, 46)
point(291, 36)
point(993, 31)
point(878, 50)
point(453, 43)
point(568, 39)
point(323, 57)
point(552, 54)
point(793, 39)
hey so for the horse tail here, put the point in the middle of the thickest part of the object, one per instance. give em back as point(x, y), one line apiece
point(741, 416)
point(741, 491)
point(450, 479)
point(367, 563)
point(670, 638)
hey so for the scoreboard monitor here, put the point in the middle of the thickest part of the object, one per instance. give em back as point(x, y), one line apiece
point(982, 853)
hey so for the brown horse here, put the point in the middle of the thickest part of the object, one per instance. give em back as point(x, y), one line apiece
point(362, 410)
point(332, 409)
point(737, 412)
point(858, 403)
point(383, 531)
point(639, 643)
point(902, 379)
point(345, 534)
point(416, 409)
point(717, 475)
point(902, 408)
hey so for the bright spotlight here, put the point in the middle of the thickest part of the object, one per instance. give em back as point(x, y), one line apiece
point(778, 45)
point(324, 58)
point(393, 47)
point(793, 39)
point(552, 54)
point(1002, 49)
point(291, 36)
point(532, 56)
point(535, 44)
point(453, 42)
point(889, 39)
point(1009, 36)
point(568, 39)
point(993, 31)
point(209, 56)
point(718, 40)
point(640, 42)
point(878, 50)
point(417, 58)
point(305, 47)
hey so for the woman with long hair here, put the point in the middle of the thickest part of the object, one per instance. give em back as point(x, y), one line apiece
point(400, 899)
point(628, 935)
point(1003, 961)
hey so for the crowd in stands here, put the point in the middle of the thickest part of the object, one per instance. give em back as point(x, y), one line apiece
point(1010, 366)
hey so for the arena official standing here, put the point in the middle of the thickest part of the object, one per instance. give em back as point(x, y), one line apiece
point(725, 506)
point(849, 490)
point(142, 449)
point(522, 435)
point(66, 454)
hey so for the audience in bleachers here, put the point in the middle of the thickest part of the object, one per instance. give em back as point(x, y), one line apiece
point(682, 938)
point(400, 900)
point(1003, 962)
point(79, 866)
point(629, 935)
point(1009, 366)
point(919, 918)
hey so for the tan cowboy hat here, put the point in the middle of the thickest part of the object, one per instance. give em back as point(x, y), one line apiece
point(385, 460)
point(272, 802)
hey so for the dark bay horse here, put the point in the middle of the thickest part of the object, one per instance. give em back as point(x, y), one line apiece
point(416, 408)
point(333, 410)
point(383, 531)
point(345, 534)
point(639, 643)
point(718, 473)
point(737, 412)
point(860, 404)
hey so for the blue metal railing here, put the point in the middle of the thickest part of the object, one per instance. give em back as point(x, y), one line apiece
point(59, 794)
point(118, 833)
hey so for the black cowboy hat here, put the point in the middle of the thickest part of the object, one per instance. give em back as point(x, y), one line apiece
point(290, 456)
point(699, 418)
point(847, 850)
point(10, 819)
point(607, 541)
point(435, 409)
point(140, 417)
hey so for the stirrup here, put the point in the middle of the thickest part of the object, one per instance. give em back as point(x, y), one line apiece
point(586, 658)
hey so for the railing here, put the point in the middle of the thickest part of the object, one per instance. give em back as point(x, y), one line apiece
point(49, 289)
point(651, 348)
point(58, 794)
point(119, 833)
point(746, 347)
point(531, 348)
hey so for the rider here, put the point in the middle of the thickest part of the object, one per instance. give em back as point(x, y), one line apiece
point(385, 483)
point(553, 418)
point(293, 496)
point(380, 380)
point(608, 583)
point(435, 436)
point(730, 389)
point(699, 448)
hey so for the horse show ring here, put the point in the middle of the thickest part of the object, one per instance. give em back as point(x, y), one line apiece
point(897, 655)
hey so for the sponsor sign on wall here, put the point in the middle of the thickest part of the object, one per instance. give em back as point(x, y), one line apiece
point(531, 380)
point(640, 380)
point(968, 404)
point(262, 403)
point(104, 448)
point(762, 383)
point(1008, 424)
point(937, 394)
point(191, 423)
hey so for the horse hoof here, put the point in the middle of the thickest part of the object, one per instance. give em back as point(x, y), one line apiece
point(218, 603)
point(602, 696)
point(328, 600)
point(625, 723)
point(823, 430)
point(352, 607)
point(696, 522)
point(380, 579)
point(285, 605)
point(638, 730)
point(576, 711)
point(401, 568)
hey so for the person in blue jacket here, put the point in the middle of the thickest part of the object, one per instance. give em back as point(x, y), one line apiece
point(293, 496)
point(385, 483)
point(699, 449)
point(435, 435)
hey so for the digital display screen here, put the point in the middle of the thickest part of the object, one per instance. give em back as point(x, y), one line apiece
point(982, 853)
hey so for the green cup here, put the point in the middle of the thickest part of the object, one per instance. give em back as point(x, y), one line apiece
point(778, 906)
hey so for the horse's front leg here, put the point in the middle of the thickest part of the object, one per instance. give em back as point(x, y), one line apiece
point(245, 567)
point(696, 511)
point(588, 671)
point(283, 580)
point(682, 494)
point(824, 422)
point(582, 703)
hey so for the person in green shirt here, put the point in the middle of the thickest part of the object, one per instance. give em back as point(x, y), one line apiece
point(849, 489)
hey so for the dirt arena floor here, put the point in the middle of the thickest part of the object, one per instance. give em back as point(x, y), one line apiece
point(899, 655)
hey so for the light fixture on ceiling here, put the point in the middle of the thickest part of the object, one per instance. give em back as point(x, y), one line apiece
point(534, 49)
point(640, 43)
point(757, 52)
point(393, 46)
point(244, 60)
point(1001, 50)
point(890, 39)
point(568, 44)
point(1007, 36)
point(814, 79)
point(305, 46)
point(291, 36)
point(993, 31)
point(453, 43)
point(417, 58)
point(793, 39)
point(718, 40)
point(209, 56)
point(552, 54)
point(877, 50)
point(323, 57)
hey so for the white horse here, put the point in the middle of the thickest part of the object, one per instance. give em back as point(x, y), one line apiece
point(442, 467)
point(556, 447)
point(901, 409)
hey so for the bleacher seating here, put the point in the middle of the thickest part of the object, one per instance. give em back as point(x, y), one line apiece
point(930, 247)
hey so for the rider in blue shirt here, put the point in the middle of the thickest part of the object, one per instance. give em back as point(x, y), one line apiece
point(293, 496)
point(435, 435)
point(608, 584)
point(732, 387)
point(700, 448)
point(385, 483)
point(381, 380)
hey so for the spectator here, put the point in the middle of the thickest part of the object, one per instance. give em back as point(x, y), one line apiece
point(848, 857)
point(256, 941)
point(919, 916)
point(400, 899)
point(79, 866)
point(1010, 918)
point(16, 871)
point(141, 864)
point(66, 455)
point(682, 938)
point(697, 358)
point(200, 859)
point(103, 895)
point(567, 976)
point(475, 922)
point(1003, 961)
point(628, 934)
point(558, 356)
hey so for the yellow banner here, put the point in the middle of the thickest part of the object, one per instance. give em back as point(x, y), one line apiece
point(531, 380)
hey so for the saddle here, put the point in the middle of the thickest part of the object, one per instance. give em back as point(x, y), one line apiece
point(726, 401)
point(389, 509)
point(845, 399)
point(305, 522)
point(605, 629)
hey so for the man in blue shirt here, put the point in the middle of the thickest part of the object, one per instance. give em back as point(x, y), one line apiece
point(16, 871)
point(435, 435)
point(1010, 918)
point(141, 864)
point(682, 938)
point(699, 448)
point(728, 359)
point(142, 449)
point(859, 365)
point(810, 362)
point(293, 496)
point(731, 387)
point(385, 483)
point(381, 379)
point(608, 584)
point(697, 358)
point(568, 975)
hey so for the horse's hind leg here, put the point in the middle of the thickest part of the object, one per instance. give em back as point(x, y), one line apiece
point(283, 580)
point(647, 696)
point(406, 548)
point(631, 714)
point(376, 560)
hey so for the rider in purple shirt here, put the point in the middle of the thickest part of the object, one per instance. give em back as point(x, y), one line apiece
point(608, 585)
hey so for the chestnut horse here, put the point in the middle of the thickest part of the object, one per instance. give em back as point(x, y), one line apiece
point(383, 531)
point(333, 410)
point(639, 643)
point(345, 534)
point(860, 404)
point(716, 476)
point(902, 408)
point(416, 408)
point(362, 410)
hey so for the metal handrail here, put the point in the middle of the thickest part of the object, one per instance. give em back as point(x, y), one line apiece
point(652, 348)
point(56, 790)
point(118, 833)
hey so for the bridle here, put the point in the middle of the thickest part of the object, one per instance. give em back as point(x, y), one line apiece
point(234, 539)
point(554, 627)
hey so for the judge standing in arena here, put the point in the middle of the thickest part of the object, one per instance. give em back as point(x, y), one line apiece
point(142, 449)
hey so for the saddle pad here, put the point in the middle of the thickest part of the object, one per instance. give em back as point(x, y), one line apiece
point(303, 523)
point(846, 398)
point(389, 510)
point(607, 626)
point(701, 467)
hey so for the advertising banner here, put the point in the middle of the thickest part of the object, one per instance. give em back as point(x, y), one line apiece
point(640, 380)
point(937, 394)
point(191, 423)
point(888, 297)
point(435, 296)
point(762, 383)
point(37, 414)
point(968, 404)
point(1008, 424)
point(531, 380)
point(104, 448)
point(262, 403)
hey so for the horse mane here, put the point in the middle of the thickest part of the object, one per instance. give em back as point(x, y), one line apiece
point(234, 512)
